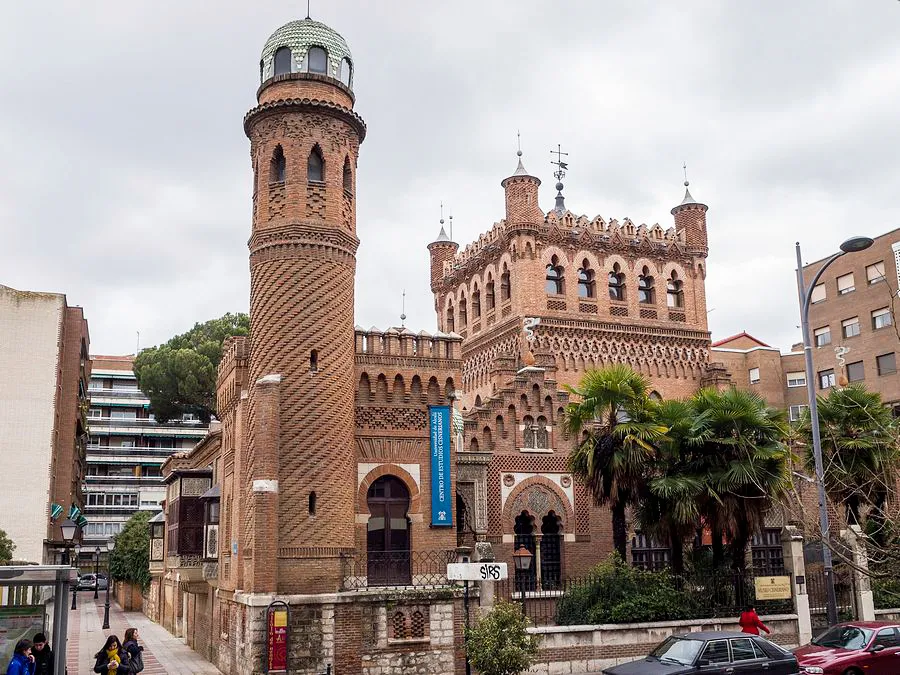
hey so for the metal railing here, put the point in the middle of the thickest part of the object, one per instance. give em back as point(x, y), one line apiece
point(396, 569)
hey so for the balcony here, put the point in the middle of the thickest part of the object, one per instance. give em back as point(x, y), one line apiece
point(123, 480)
point(116, 393)
point(136, 451)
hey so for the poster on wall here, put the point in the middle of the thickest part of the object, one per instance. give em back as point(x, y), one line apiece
point(277, 651)
point(441, 491)
point(17, 623)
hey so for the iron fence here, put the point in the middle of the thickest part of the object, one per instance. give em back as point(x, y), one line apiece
point(396, 569)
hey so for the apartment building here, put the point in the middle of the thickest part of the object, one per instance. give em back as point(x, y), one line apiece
point(126, 449)
point(44, 369)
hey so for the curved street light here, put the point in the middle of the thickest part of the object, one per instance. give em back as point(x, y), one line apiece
point(851, 245)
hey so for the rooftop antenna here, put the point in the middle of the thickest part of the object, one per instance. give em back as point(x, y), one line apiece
point(559, 174)
point(137, 347)
point(451, 225)
point(307, 9)
point(403, 311)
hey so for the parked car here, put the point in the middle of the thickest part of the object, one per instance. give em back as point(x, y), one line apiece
point(853, 648)
point(713, 653)
point(86, 582)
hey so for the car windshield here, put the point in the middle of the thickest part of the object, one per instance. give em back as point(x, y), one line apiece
point(844, 637)
point(678, 650)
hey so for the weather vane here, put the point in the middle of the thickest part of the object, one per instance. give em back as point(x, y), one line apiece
point(560, 165)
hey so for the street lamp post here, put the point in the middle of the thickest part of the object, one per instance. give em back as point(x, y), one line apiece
point(852, 245)
point(523, 559)
point(97, 573)
point(110, 545)
point(68, 528)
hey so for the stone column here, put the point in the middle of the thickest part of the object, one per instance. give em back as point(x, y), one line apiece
point(795, 566)
point(863, 599)
point(484, 552)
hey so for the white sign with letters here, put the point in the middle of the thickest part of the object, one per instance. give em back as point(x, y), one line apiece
point(486, 571)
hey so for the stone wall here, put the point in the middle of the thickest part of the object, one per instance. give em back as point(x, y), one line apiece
point(581, 649)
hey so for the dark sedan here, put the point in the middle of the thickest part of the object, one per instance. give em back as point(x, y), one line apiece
point(715, 653)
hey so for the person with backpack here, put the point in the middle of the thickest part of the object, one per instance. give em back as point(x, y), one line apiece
point(135, 651)
point(112, 659)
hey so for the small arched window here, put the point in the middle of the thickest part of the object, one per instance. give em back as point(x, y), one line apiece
point(616, 283)
point(317, 59)
point(346, 72)
point(312, 503)
point(674, 291)
point(542, 434)
point(463, 313)
point(348, 176)
point(554, 283)
point(504, 284)
point(646, 292)
point(528, 435)
point(476, 303)
point(655, 396)
point(262, 69)
point(314, 361)
point(277, 166)
point(315, 166)
point(489, 293)
point(283, 61)
point(586, 281)
point(451, 325)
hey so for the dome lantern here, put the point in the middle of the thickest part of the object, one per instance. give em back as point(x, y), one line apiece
point(307, 46)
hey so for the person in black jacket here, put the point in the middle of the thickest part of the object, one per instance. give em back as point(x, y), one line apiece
point(112, 659)
point(43, 655)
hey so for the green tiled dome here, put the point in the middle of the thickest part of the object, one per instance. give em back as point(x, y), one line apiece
point(299, 36)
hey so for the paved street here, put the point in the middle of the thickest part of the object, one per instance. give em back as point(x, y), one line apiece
point(163, 653)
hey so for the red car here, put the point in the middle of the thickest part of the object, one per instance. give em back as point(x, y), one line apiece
point(854, 648)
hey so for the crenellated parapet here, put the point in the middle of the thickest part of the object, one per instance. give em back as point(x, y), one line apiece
point(403, 343)
point(231, 375)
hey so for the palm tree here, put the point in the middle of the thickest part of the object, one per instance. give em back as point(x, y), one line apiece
point(860, 451)
point(612, 407)
point(740, 453)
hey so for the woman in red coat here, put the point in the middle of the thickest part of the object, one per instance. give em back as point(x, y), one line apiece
point(750, 622)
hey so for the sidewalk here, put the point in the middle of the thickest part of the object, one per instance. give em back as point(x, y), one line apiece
point(163, 653)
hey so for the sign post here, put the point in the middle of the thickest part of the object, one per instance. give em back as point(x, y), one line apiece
point(441, 489)
point(466, 572)
point(277, 620)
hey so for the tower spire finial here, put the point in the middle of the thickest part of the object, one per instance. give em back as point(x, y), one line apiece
point(684, 166)
point(403, 310)
point(519, 143)
point(307, 9)
point(559, 174)
point(451, 224)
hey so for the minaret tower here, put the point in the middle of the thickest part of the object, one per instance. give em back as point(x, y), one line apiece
point(301, 470)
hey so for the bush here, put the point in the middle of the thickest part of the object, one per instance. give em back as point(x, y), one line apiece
point(499, 644)
point(886, 593)
point(618, 593)
point(130, 559)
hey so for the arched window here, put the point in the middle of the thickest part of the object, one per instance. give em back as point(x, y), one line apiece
point(586, 280)
point(655, 396)
point(315, 166)
point(551, 552)
point(347, 72)
point(283, 61)
point(451, 324)
point(526, 580)
point(314, 361)
point(674, 291)
point(504, 284)
point(616, 283)
point(317, 60)
point(476, 303)
point(312, 503)
point(554, 283)
point(542, 434)
point(528, 436)
point(646, 292)
point(463, 313)
point(348, 176)
point(262, 68)
point(388, 540)
point(277, 166)
point(489, 293)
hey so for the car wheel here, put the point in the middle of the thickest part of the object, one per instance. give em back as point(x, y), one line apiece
point(852, 671)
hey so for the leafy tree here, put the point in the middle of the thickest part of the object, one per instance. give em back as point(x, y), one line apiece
point(7, 546)
point(499, 643)
point(614, 409)
point(130, 559)
point(180, 376)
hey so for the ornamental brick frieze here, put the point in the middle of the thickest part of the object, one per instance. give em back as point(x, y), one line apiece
point(276, 110)
point(387, 449)
point(391, 418)
point(295, 238)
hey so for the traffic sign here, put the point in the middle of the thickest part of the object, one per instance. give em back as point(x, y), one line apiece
point(486, 571)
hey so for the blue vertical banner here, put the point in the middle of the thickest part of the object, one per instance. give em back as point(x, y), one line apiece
point(441, 490)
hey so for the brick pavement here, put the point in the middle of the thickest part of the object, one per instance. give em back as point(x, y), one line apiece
point(163, 653)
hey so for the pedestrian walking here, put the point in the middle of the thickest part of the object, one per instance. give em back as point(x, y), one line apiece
point(750, 622)
point(22, 662)
point(112, 659)
point(135, 651)
point(43, 655)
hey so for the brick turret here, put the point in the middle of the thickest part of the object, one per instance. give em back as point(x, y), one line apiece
point(690, 218)
point(441, 250)
point(522, 197)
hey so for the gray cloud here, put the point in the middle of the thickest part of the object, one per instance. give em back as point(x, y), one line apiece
point(126, 177)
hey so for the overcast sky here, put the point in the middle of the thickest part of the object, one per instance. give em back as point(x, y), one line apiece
point(125, 177)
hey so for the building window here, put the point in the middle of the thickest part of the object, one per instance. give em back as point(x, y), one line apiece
point(766, 551)
point(318, 60)
point(826, 378)
point(314, 361)
point(881, 318)
point(123, 414)
point(645, 288)
point(795, 412)
point(529, 439)
point(542, 434)
point(845, 284)
point(818, 294)
point(822, 336)
point(504, 284)
point(476, 303)
point(850, 327)
point(277, 166)
point(489, 293)
point(887, 364)
point(855, 371)
point(312, 503)
point(450, 323)
point(94, 413)
point(586, 281)
point(555, 280)
point(463, 313)
point(616, 284)
point(348, 176)
point(647, 553)
point(315, 166)
point(95, 383)
point(388, 533)
point(674, 292)
point(754, 376)
point(797, 379)
point(283, 61)
point(875, 273)
point(346, 72)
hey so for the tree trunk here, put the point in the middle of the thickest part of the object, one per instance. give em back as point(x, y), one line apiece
point(677, 555)
point(620, 530)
